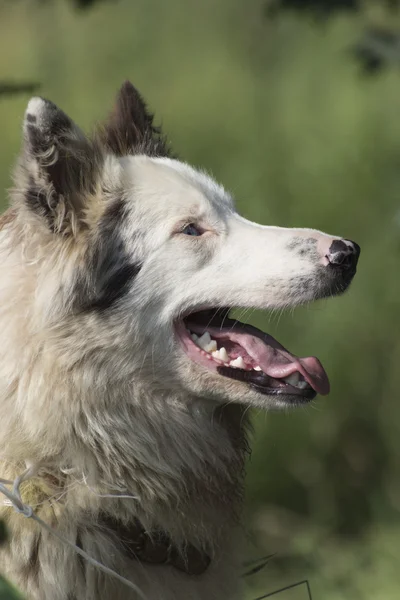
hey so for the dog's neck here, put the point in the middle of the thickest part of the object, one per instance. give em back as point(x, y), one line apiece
point(170, 454)
point(169, 451)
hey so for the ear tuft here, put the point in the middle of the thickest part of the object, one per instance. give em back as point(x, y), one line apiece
point(130, 128)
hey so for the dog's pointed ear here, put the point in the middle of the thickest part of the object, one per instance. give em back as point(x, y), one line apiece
point(58, 165)
point(130, 128)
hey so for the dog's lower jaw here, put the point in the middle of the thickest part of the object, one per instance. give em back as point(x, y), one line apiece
point(196, 501)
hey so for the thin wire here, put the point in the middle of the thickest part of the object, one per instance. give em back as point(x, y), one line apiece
point(288, 587)
point(15, 498)
point(257, 565)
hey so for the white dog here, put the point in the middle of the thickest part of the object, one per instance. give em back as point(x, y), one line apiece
point(123, 380)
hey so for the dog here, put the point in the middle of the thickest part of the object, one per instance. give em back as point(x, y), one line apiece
point(124, 382)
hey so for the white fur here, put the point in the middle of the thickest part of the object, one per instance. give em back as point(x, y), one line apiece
point(111, 404)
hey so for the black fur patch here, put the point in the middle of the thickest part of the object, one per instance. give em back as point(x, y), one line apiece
point(80, 559)
point(37, 199)
point(113, 216)
point(109, 270)
point(155, 547)
point(113, 281)
point(31, 568)
point(34, 563)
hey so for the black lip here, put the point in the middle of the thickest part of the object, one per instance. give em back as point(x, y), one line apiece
point(299, 396)
point(210, 316)
point(262, 383)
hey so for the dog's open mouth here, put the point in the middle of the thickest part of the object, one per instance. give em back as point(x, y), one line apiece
point(245, 353)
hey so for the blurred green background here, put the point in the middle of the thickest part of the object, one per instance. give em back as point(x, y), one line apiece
point(278, 107)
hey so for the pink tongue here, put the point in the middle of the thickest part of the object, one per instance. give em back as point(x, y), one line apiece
point(310, 368)
point(273, 358)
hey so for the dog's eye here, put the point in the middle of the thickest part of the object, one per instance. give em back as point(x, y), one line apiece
point(191, 229)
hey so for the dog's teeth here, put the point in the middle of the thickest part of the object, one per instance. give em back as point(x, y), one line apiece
point(194, 337)
point(211, 347)
point(296, 380)
point(257, 368)
point(204, 340)
point(293, 379)
point(302, 385)
point(223, 355)
point(238, 363)
point(220, 355)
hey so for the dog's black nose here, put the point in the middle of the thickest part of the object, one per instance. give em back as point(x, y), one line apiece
point(343, 254)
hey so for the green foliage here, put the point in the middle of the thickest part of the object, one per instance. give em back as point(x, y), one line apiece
point(278, 111)
point(7, 592)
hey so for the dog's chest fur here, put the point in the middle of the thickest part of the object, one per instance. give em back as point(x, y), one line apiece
point(192, 500)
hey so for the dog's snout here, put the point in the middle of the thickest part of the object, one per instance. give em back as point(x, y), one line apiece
point(343, 254)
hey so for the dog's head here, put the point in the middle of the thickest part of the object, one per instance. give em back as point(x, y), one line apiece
point(133, 259)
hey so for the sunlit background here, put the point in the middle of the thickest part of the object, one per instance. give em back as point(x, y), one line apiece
point(295, 107)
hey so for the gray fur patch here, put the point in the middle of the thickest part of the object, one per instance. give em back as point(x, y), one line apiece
point(306, 247)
